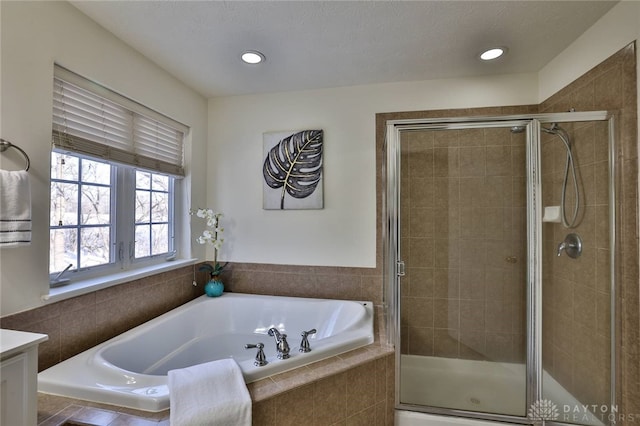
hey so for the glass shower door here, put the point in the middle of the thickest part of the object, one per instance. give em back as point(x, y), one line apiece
point(463, 241)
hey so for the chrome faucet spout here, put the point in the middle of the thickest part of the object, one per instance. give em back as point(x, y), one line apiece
point(275, 333)
point(282, 347)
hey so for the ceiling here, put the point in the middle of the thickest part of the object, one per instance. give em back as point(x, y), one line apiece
point(320, 44)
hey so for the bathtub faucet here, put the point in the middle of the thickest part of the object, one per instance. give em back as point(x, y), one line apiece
point(282, 347)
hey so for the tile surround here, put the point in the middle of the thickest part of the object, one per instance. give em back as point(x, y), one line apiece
point(609, 86)
point(79, 323)
point(343, 390)
point(76, 324)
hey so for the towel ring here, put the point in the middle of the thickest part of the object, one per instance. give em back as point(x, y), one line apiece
point(5, 144)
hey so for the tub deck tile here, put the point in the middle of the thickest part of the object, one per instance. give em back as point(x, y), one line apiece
point(295, 378)
point(57, 411)
point(263, 389)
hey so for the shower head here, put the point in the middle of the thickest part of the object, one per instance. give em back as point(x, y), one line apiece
point(517, 129)
point(553, 130)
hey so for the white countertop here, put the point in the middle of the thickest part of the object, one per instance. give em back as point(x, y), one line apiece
point(13, 342)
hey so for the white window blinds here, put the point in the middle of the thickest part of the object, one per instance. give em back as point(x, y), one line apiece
point(87, 123)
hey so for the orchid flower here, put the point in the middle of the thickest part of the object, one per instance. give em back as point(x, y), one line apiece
point(211, 236)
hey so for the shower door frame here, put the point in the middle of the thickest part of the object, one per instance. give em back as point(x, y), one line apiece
point(394, 266)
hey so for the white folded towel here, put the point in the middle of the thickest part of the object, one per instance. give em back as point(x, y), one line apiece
point(209, 394)
point(15, 208)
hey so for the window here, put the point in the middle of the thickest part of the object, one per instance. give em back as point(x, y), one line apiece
point(85, 229)
point(81, 215)
point(153, 214)
point(114, 167)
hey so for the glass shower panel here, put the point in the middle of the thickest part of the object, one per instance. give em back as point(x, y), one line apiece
point(576, 293)
point(463, 241)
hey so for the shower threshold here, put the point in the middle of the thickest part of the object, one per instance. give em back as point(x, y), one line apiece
point(479, 386)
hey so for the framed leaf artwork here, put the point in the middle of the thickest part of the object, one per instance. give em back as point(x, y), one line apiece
point(292, 170)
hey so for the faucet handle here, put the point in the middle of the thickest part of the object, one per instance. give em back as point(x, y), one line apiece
point(261, 359)
point(572, 245)
point(562, 246)
point(304, 345)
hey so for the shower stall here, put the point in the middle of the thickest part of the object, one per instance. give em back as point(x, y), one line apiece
point(500, 260)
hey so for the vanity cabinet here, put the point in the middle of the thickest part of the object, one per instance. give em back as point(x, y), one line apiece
point(19, 377)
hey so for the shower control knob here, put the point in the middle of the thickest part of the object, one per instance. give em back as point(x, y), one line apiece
point(572, 245)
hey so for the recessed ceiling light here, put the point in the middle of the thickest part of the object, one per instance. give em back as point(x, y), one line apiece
point(252, 57)
point(493, 53)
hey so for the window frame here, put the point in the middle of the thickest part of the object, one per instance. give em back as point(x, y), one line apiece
point(171, 225)
point(122, 227)
point(78, 225)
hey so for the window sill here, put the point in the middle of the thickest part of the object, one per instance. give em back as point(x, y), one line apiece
point(81, 287)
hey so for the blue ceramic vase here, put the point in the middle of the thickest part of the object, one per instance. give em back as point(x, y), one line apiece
point(214, 287)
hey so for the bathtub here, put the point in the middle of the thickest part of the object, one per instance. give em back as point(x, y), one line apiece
point(130, 370)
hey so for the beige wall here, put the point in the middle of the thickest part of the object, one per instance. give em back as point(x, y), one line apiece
point(34, 35)
point(344, 232)
point(617, 28)
point(578, 291)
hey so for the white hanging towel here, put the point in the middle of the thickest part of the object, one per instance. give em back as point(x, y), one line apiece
point(15, 208)
point(209, 394)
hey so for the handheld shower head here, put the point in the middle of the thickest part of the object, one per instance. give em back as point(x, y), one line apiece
point(570, 165)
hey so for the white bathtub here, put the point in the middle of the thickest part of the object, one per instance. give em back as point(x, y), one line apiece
point(130, 370)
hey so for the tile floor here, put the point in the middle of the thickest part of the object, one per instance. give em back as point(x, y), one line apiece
point(59, 411)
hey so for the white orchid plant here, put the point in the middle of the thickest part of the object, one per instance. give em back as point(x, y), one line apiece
point(212, 235)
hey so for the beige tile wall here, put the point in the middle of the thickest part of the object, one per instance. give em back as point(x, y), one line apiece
point(306, 281)
point(609, 86)
point(361, 395)
point(77, 324)
point(576, 292)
